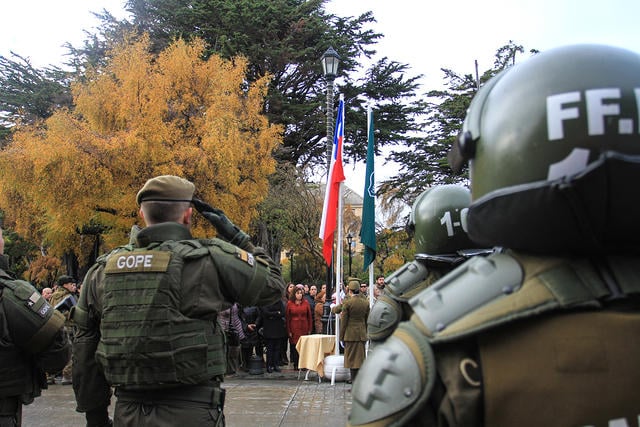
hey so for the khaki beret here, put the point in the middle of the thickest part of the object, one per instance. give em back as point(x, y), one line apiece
point(168, 188)
point(353, 284)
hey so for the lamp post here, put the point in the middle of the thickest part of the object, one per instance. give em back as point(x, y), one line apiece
point(349, 241)
point(290, 256)
point(330, 61)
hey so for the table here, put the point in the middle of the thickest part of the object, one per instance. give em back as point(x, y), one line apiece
point(313, 349)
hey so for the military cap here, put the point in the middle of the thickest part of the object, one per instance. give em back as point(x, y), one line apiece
point(65, 279)
point(353, 284)
point(168, 188)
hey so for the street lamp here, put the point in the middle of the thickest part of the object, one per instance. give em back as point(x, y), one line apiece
point(290, 256)
point(330, 61)
point(349, 241)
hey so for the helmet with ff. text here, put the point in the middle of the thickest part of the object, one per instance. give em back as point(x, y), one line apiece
point(553, 145)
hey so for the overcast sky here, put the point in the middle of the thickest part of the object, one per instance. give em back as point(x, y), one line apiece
point(428, 35)
point(434, 34)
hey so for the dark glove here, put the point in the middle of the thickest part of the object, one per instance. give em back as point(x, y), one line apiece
point(226, 229)
point(98, 418)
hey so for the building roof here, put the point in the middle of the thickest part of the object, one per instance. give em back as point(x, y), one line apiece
point(349, 196)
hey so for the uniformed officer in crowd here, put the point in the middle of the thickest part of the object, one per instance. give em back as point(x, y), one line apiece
point(63, 299)
point(546, 333)
point(438, 222)
point(32, 343)
point(146, 318)
point(65, 291)
point(353, 329)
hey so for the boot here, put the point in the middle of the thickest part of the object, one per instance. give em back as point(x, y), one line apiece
point(354, 373)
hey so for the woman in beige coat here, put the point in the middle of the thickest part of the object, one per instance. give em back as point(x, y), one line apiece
point(321, 298)
point(355, 311)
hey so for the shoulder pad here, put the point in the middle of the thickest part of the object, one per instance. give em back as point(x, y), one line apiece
point(36, 322)
point(406, 278)
point(475, 283)
point(395, 380)
point(383, 318)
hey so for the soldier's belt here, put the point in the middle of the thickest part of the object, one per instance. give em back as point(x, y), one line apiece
point(209, 395)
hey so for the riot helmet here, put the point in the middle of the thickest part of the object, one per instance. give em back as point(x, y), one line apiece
point(438, 220)
point(553, 145)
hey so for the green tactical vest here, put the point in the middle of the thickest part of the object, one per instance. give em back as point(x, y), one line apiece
point(145, 339)
point(33, 324)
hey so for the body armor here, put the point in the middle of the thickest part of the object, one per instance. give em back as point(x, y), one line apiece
point(145, 339)
point(519, 288)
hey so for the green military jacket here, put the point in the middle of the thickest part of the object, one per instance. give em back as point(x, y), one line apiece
point(58, 295)
point(354, 314)
point(210, 284)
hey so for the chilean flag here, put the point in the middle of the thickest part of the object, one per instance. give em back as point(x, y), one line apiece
point(332, 195)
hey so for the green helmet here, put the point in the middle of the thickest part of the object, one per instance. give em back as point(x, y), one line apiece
point(553, 145)
point(438, 218)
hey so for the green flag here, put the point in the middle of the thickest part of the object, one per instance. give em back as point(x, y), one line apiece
point(368, 230)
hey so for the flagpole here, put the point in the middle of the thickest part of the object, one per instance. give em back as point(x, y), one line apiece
point(339, 267)
point(371, 281)
point(368, 230)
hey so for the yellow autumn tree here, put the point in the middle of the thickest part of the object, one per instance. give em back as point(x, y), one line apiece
point(140, 116)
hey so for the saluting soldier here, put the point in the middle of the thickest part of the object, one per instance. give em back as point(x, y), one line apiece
point(147, 315)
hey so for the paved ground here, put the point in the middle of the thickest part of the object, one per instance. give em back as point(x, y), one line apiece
point(276, 399)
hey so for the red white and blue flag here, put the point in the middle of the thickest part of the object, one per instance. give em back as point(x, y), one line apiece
point(332, 194)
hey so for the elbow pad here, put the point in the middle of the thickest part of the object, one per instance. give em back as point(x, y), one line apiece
point(395, 380)
point(383, 318)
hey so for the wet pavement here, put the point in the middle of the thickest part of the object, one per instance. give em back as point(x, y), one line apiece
point(271, 399)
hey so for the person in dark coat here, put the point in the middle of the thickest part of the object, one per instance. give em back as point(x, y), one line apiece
point(273, 331)
point(284, 343)
point(311, 299)
point(250, 318)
